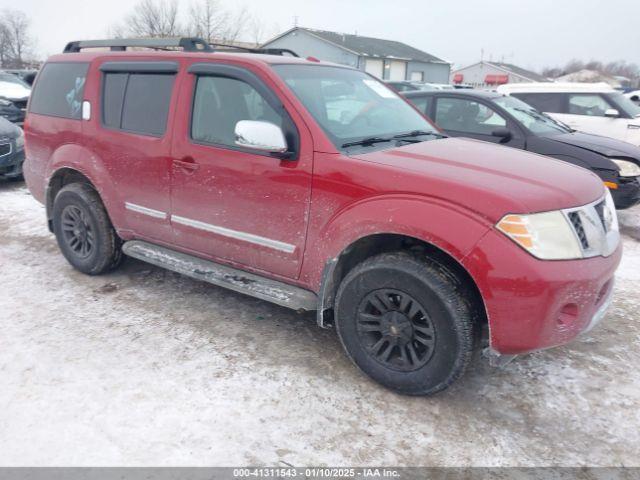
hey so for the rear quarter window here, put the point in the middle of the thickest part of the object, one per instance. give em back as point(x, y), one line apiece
point(59, 90)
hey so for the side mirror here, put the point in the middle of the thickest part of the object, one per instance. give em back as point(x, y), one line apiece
point(262, 136)
point(503, 133)
point(612, 113)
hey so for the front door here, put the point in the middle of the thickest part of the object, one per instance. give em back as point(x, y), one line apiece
point(230, 203)
point(466, 117)
point(586, 112)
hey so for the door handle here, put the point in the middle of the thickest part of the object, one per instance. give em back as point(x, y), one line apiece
point(186, 163)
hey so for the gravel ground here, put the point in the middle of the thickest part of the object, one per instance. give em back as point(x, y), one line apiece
point(146, 367)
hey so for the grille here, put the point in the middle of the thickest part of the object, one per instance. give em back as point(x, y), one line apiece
point(576, 221)
point(5, 149)
point(21, 104)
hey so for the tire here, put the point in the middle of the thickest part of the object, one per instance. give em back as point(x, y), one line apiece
point(79, 213)
point(419, 313)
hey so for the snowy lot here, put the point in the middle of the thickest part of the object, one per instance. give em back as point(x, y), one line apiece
point(145, 367)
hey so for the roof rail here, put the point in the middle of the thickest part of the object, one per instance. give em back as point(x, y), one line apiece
point(264, 51)
point(121, 44)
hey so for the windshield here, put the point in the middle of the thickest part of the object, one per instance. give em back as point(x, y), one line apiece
point(626, 105)
point(351, 106)
point(11, 78)
point(529, 117)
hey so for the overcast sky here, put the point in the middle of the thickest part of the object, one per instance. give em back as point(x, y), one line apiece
point(530, 33)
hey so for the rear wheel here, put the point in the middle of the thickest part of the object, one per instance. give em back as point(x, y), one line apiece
point(83, 230)
point(405, 323)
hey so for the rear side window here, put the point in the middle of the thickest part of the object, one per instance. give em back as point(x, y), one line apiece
point(543, 102)
point(59, 90)
point(137, 102)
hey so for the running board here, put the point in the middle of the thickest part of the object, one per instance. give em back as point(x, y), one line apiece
point(223, 276)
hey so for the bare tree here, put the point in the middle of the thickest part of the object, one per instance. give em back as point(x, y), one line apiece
point(15, 41)
point(209, 20)
point(151, 18)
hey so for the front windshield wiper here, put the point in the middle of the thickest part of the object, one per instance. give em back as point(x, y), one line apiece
point(419, 133)
point(368, 141)
point(544, 117)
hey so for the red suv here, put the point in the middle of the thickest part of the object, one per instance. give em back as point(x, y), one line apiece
point(316, 187)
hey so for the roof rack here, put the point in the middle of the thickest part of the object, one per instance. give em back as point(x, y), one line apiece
point(264, 51)
point(121, 44)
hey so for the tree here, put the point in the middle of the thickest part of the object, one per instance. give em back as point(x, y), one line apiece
point(151, 18)
point(15, 41)
point(210, 21)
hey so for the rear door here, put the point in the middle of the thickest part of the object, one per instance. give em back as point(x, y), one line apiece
point(130, 131)
point(228, 202)
point(473, 118)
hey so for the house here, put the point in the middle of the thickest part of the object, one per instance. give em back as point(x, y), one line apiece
point(386, 59)
point(492, 74)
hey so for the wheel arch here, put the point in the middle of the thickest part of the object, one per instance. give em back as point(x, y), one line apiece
point(368, 246)
point(58, 179)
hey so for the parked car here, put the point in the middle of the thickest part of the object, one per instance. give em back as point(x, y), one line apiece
point(634, 96)
point(26, 75)
point(588, 107)
point(11, 150)
point(14, 94)
point(206, 163)
point(407, 86)
point(497, 118)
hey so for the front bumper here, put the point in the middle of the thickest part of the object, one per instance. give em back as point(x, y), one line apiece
point(628, 192)
point(533, 304)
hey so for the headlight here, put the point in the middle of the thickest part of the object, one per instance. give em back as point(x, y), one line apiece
point(627, 168)
point(547, 236)
point(5, 103)
point(20, 140)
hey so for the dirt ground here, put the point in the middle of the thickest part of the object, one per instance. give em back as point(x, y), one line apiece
point(146, 367)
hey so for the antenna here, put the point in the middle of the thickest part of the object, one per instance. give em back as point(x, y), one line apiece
point(295, 20)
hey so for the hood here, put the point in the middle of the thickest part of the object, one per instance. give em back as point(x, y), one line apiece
point(489, 179)
point(609, 147)
point(14, 91)
point(8, 129)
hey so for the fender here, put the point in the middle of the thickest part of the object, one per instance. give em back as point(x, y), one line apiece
point(451, 228)
point(86, 162)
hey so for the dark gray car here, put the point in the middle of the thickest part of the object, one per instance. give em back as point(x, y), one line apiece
point(497, 118)
point(11, 150)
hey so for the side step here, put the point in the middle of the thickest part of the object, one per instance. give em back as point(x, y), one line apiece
point(254, 285)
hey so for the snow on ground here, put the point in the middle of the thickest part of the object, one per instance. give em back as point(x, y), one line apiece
point(146, 367)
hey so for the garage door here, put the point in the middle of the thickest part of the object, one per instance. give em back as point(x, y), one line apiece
point(398, 70)
point(374, 67)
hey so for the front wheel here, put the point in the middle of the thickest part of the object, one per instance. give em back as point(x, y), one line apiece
point(405, 323)
point(83, 230)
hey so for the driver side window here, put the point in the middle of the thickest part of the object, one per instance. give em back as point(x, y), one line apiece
point(467, 116)
point(220, 103)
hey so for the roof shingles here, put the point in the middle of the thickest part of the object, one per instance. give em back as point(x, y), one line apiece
point(374, 47)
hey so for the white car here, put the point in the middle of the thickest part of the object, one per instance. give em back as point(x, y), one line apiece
point(587, 107)
point(634, 96)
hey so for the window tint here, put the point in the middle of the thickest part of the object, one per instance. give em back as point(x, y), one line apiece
point(590, 104)
point(467, 116)
point(543, 102)
point(59, 90)
point(220, 103)
point(137, 102)
point(423, 104)
point(114, 86)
